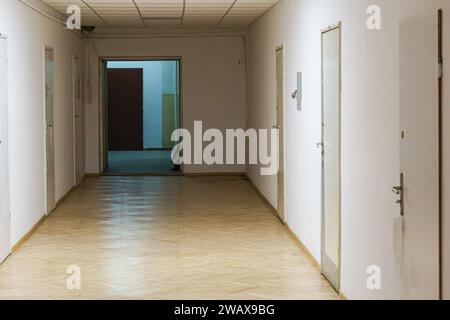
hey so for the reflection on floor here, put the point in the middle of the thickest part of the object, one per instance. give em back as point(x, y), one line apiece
point(163, 238)
point(140, 162)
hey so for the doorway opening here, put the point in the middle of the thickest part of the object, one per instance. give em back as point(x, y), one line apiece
point(141, 111)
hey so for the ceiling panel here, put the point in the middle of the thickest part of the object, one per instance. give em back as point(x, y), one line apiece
point(228, 14)
point(116, 13)
point(205, 13)
point(245, 12)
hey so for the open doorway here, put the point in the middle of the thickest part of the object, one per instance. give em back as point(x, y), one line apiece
point(142, 102)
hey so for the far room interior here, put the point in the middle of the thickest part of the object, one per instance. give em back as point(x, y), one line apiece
point(142, 98)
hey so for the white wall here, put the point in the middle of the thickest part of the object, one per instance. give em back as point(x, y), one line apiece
point(370, 125)
point(27, 33)
point(213, 84)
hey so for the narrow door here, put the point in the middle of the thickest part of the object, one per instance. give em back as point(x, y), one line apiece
point(78, 121)
point(280, 126)
point(49, 129)
point(125, 109)
point(331, 173)
point(420, 154)
point(5, 245)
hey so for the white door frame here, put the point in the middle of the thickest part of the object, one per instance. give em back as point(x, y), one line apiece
point(5, 143)
point(48, 210)
point(74, 97)
point(281, 202)
point(329, 270)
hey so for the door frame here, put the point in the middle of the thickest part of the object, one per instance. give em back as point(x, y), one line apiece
point(103, 138)
point(441, 154)
point(48, 211)
point(336, 283)
point(281, 138)
point(6, 141)
point(75, 161)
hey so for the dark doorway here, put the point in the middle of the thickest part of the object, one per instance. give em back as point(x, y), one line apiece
point(125, 109)
point(142, 102)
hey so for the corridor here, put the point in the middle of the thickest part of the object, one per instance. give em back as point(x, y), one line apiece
point(163, 238)
point(225, 149)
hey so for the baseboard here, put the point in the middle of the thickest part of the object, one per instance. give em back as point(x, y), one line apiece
point(92, 175)
point(342, 296)
point(304, 248)
point(290, 232)
point(60, 201)
point(22, 240)
point(263, 198)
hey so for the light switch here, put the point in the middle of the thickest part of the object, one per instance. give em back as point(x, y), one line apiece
point(299, 91)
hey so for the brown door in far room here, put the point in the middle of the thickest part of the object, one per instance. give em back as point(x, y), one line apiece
point(125, 109)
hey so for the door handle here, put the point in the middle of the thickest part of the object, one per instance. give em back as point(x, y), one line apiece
point(276, 127)
point(397, 190)
point(400, 190)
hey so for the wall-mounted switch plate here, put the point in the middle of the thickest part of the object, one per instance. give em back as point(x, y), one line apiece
point(299, 91)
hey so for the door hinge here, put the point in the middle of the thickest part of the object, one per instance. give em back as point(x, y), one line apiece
point(441, 68)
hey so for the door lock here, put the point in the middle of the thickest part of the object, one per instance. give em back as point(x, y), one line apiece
point(399, 190)
point(320, 146)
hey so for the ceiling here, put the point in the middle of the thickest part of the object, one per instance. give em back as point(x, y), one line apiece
point(164, 14)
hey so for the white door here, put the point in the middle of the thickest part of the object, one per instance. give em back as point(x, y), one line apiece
point(280, 126)
point(5, 245)
point(78, 121)
point(419, 154)
point(331, 157)
point(50, 130)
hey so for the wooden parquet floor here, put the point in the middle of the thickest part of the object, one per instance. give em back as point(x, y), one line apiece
point(163, 238)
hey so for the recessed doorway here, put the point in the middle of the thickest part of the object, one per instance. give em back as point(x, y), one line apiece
point(142, 109)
